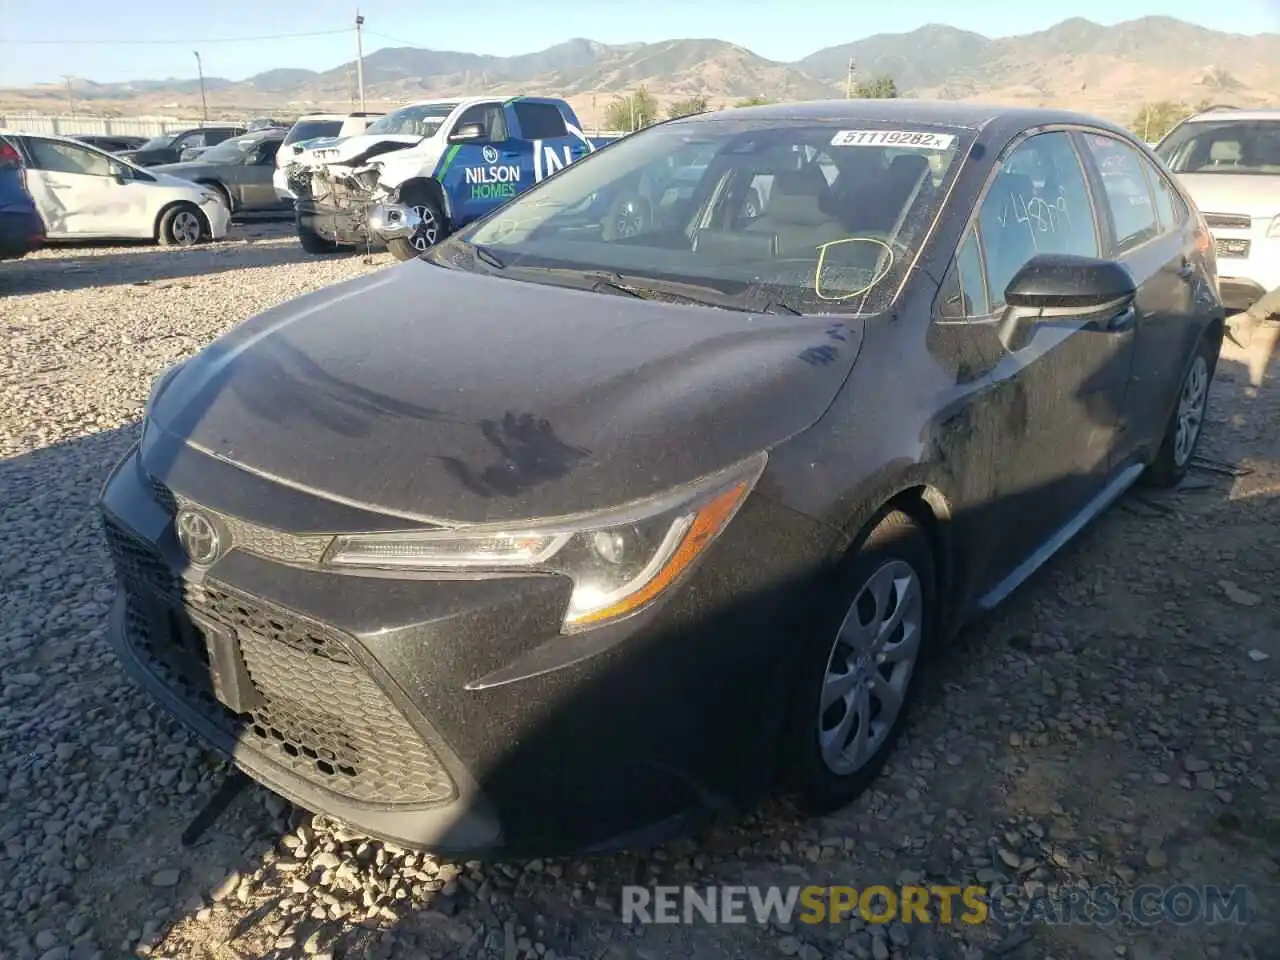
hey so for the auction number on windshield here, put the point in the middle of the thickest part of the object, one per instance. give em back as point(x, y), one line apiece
point(919, 139)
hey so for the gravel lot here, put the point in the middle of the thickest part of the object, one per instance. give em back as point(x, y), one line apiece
point(1118, 722)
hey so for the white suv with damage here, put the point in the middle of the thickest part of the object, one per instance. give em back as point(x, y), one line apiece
point(1229, 161)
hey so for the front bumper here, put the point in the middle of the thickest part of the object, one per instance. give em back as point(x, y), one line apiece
point(450, 715)
point(219, 218)
point(1244, 279)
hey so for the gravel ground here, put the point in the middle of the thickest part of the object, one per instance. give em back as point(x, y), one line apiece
point(1118, 722)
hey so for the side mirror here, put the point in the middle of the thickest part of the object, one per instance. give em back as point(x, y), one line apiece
point(1061, 286)
point(1058, 282)
point(120, 173)
point(468, 133)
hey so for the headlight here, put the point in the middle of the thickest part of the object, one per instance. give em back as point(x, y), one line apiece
point(619, 562)
point(1273, 228)
point(208, 197)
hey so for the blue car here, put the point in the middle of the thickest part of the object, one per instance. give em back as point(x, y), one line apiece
point(21, 228)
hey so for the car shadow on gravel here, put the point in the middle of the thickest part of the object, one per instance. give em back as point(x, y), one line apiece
point(1111, 723)
point(146, 266)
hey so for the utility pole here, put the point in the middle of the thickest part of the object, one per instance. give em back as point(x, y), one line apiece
point(71, 97)
point(360, 57)
point(848, 88)
point(204, 104)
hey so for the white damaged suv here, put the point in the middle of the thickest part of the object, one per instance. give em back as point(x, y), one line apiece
point(1229, 161)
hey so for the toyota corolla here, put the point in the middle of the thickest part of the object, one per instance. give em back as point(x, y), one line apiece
point(624, 503)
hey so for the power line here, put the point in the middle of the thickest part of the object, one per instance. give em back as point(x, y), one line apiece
point(197, 42)
point(383, 36)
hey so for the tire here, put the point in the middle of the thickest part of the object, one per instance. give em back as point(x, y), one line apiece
point(433, 230)
point(896, 561)
point(182, 225)
point(1186, 423)
point(312, 242)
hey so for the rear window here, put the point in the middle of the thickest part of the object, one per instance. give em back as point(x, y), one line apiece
point(310, 129)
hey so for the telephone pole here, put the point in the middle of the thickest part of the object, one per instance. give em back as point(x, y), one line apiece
point(848, 87)
point(71, 97)
point(360, 57)
point(204, 104)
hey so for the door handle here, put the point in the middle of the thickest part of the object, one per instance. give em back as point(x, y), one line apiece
point(1187, 270)
point(1123, 320)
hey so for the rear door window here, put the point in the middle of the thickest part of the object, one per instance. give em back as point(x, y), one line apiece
point(1128, 195)
point(539, 121)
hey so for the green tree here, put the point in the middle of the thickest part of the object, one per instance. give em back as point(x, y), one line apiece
point(753, 102)
point(687, 107)
point(879, 87)
point(630, 113)
point(1154, 120)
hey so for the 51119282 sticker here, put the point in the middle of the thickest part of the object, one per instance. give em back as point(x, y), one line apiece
point(917, 139)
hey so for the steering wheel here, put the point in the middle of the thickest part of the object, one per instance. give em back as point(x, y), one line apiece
point(629, 215)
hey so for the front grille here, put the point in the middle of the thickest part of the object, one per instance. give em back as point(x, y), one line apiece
point(1231, 248)
point(250, 537)
point(319, 714)
point(1228, 221)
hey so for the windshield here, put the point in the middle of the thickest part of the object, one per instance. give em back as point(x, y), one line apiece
point(422, 120)
point(1223, 146)
point(810, 217)
point(160, 142)
point(310, 129)
point(229, 151)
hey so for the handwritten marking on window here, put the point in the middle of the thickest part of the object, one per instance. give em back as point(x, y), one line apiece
point(822, 262)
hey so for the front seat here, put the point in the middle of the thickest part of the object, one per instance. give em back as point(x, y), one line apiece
point(875, 205)
point(1224, 153)
point(796, 213)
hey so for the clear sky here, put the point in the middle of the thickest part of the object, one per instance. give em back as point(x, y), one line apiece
point(778, 29)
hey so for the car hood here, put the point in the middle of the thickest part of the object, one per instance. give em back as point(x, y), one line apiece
point(350, 150)
point(439, 395)
point(1254, 195)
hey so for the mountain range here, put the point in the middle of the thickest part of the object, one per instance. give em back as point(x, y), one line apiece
point(1107, 70)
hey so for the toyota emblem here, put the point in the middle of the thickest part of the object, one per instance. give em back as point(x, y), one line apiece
point(490, 154)
point(198, 537)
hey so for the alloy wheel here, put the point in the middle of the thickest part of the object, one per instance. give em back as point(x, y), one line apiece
point(428, 231)
point(186, 228)
point(1191, 407)
point(874, 655)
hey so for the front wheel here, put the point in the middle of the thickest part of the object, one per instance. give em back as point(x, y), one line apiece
point(182, 226)
point(1182, 435)
point(860, 667)
point(430, 231)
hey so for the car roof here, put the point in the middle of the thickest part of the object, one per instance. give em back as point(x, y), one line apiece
point(961, 115)
point(1231, 113)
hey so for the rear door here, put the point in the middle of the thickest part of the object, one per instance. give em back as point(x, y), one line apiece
point(1047, 403)
point(1159, 248)
point(75, 191)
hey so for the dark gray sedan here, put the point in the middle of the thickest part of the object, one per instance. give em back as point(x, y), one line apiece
point(624, 502)
point(240, 170)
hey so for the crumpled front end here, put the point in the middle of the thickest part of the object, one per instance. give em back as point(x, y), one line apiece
point(347, 202)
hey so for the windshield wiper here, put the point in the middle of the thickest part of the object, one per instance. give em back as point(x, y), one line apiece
point(485, 256)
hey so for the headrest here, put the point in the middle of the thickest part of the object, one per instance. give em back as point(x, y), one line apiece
point(1225, 151)
point(799, 197)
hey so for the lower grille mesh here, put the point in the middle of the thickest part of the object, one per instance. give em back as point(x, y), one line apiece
point(320, 714)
